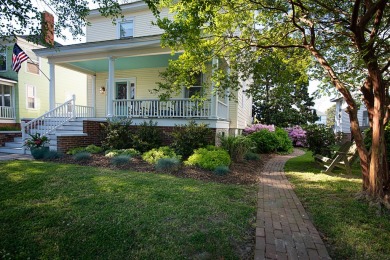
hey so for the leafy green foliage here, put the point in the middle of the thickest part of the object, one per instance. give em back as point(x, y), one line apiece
point(131, 151)
point(82, 156)
point(9, 128)
point(120, 160)
point(250, 156)
point(280, 89)
point(117, 134)
point(187, 138)
point(237, 146)
point(266, 141)
point(320, 139)
point(269, 142)
point(147, 137)
point(93, 149)
point(331, 116)
point(284, 142)
point(156, 154)
point(209, 159)
point(75, 150)
point(168, 164)
point(221, 170)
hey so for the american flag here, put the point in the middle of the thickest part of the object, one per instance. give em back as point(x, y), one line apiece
point(18, 56)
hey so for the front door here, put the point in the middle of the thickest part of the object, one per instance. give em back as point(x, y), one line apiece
point(124, 92)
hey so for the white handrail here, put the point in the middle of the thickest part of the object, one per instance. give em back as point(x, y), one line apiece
point(51, 120)
point(172, 108)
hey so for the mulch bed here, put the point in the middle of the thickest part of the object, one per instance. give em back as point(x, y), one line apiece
point(246, 172)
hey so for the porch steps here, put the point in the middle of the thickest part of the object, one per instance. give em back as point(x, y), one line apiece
point(14, 147)
point(71, 128)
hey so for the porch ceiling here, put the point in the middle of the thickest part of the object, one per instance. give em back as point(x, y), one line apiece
point(125, 63)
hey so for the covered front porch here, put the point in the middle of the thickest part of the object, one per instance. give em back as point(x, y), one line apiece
point(7, 100)
point(121, 75)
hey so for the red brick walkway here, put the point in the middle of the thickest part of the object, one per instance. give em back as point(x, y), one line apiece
point(283, 228)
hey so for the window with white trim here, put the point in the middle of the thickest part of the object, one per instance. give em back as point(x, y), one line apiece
point(30, 97)
point(126, 29)
point(3, 59)
point(196, 89)
point(32, 67)
point(5, 96)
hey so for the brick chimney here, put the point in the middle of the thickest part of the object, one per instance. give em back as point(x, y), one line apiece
point(47, 27)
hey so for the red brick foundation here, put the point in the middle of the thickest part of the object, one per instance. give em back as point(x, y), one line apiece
point(95, 136)
point(16, 125)
point(8, 137)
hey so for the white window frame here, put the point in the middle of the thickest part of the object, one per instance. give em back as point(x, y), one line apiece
point(39, 66)
point(186, 91)
point(4, 52)
point(35, 97)
point(126, 20)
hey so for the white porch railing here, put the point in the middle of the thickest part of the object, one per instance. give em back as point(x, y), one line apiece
point(7, 112)
point(173, 108)
point(222, 110)
point(51, 120)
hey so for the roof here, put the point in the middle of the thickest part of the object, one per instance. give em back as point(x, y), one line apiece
point(100, 46)
point(335, 99)
point(37, 39)
point(7, 79)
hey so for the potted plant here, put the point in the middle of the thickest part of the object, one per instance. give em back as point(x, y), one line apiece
point(37, 145)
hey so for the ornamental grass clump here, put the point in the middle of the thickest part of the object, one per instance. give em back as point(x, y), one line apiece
point(120, 160)
point(237, 146)
point(297, 136)
point(221, 170)
point(167, 164)
point(258, 127)
point(82, 156)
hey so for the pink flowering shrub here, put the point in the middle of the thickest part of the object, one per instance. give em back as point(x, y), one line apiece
point(257, 127)
point(297, 135)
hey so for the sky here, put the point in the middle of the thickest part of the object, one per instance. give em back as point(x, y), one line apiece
point(323, 103)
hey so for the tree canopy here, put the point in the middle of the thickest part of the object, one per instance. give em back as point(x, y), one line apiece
point(22, 17)
point(280, 89)
point(349, 40)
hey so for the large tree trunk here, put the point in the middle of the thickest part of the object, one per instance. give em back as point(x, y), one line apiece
point(379, 172)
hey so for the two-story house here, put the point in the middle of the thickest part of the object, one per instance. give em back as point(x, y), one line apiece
point(342, 124)
point(25, 95)
point(122, 62)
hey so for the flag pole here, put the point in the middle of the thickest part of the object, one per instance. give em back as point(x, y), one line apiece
point(39, 68)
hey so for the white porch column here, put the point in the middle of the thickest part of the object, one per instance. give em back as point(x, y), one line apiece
point(94, 94)
point(110, 86)
point(52, 86)
point(214, 98)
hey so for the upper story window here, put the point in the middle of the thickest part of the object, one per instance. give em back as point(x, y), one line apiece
point(32, 67)
point(30, 97)
point(3, 59)
point(126, 29)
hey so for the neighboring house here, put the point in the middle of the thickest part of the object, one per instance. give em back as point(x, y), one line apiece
point(342, 123)
point(321, 118)
point(25, 95)
point(123, 63)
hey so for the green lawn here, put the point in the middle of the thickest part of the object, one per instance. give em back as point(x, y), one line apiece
point(352, 228)
point(53, 211)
